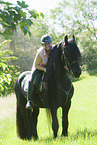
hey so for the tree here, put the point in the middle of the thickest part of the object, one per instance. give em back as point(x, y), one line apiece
point(76, 16)
point(8, 73)
point(25, 47)
point(13, 15)
point(79, 18)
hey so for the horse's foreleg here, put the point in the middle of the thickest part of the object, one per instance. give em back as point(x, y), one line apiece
point(65, 122)
point(55, 124)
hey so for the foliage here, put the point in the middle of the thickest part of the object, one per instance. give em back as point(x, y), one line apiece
point(75, 16)
point(89, 52)
point(25, 47)
point(8, 73)
point(78, 18)
point(13, 15)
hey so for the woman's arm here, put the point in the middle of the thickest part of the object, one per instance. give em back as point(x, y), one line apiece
point(38, 63)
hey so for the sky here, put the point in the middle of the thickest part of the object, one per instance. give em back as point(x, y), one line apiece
point(39, 5)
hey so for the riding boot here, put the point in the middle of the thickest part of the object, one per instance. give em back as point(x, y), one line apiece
point(28, 105)
point(29, 95)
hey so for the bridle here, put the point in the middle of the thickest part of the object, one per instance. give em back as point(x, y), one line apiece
point(67, 65)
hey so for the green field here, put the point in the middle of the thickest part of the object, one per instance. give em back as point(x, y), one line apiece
point(82, 118)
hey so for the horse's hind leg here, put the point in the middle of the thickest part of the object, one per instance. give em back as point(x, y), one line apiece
point(65, 122)
point(33, 122)
point(55, 124)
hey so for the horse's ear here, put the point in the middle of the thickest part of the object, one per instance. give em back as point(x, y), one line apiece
point(66, 39)
point(73, 38)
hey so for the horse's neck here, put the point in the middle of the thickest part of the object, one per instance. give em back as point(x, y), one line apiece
point(61, 75)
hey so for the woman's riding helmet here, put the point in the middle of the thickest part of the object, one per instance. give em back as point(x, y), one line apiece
point(46, 39)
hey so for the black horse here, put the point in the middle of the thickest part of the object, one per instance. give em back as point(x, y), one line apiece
point(54, 91)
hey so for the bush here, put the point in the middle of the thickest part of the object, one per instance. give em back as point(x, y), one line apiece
point(90, 56)
point(8, 73)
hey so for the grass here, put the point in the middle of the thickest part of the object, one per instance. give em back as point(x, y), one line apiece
point(82, 118)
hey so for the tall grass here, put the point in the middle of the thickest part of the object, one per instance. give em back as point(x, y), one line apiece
point(82, 118)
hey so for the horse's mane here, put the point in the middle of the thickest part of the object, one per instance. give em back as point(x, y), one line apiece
point(53, 75)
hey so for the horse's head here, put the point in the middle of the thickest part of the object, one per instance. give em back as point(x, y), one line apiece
point(71, 56)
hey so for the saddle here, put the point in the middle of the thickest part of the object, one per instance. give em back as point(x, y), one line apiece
point(36, 79)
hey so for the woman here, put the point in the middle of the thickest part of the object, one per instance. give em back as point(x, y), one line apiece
point(40, 60)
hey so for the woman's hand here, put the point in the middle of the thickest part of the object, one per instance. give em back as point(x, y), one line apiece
point(44, 69)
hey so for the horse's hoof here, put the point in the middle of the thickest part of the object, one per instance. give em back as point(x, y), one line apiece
point(64, 135)
point(55, 136)
point(35, 138)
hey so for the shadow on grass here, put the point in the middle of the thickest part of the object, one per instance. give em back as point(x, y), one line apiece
point(45, 140)
point(84, 134)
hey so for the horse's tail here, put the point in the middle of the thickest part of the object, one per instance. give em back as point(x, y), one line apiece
point(19, 118)
point(21, 132)
point(20, 108)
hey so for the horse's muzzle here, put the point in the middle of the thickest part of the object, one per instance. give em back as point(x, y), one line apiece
point(77, 72)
